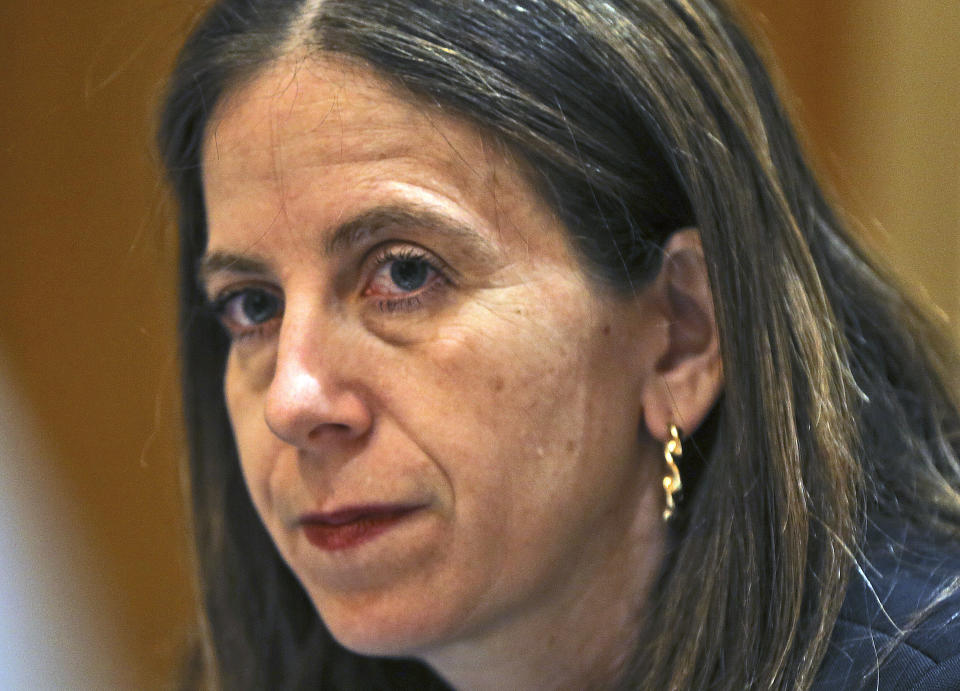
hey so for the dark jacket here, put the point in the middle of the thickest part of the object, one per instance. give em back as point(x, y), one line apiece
point(899, 627)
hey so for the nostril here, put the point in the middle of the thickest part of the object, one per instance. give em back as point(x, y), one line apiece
point(332, 428)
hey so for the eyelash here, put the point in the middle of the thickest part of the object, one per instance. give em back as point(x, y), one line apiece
point(435, 280)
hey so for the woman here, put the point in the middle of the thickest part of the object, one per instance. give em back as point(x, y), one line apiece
point(486, 270)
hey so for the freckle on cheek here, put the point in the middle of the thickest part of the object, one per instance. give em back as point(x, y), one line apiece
point(497, 384)
point(606, 330)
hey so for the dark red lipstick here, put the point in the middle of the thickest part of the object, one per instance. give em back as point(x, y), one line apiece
point(346, 528)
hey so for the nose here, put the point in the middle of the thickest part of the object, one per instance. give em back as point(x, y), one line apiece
point(311, 400)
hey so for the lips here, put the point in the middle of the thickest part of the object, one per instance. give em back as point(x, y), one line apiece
point(351, 527)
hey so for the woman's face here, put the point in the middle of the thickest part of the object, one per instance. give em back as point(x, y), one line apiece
point(437, 413)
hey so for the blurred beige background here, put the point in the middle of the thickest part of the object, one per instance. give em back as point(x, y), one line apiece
point(87, 345)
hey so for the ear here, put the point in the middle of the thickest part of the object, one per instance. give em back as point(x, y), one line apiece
point(688, 373)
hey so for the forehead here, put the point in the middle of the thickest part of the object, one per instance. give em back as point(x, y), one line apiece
point(299, 115)
point(307, 145)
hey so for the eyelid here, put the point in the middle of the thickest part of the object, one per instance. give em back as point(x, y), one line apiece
point(391, 250)
point(214, 285)
point(237, 285)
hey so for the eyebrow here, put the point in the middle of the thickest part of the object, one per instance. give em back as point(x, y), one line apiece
point(359, 229)
point(381, 218)
point(227, 261)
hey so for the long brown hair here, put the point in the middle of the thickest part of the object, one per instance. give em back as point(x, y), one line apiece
point(638, 117)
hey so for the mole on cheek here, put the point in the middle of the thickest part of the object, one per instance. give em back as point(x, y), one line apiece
point(606, 329)
point(497, 384)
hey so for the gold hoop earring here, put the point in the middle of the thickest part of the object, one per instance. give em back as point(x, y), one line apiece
point(671, 481)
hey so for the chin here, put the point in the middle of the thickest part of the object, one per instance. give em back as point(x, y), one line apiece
point(384, 629)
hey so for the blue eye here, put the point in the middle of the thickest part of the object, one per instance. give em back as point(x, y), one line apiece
point(247, 311)
point(403, 278)
point(409, 274)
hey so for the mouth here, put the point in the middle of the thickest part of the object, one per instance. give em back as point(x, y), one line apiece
point(350, 527)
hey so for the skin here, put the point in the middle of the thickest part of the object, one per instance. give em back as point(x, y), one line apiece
point(504, 397)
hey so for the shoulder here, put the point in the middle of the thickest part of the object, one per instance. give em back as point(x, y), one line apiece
point(899, 627)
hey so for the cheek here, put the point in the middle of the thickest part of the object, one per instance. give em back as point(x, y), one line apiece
point(243, 405)
point(518, 404)
point(539, 445)
point(503, 381)
point(256, 445)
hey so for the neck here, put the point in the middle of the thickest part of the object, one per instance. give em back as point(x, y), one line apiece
point(579, 638)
